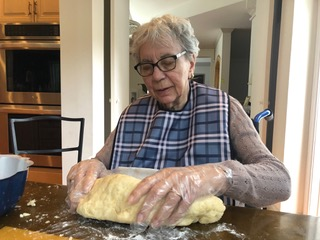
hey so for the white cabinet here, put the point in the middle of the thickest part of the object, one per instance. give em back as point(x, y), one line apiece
point(12, 11)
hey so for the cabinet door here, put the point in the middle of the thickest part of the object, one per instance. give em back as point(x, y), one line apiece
point(29, 11)
point(16, 11)
point(46, 10)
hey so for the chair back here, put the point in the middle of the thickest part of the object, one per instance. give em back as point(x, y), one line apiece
point(15, 141)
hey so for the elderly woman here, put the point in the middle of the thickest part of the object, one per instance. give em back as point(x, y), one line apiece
point(200, 137)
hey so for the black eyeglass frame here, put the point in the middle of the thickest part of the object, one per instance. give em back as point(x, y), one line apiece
point(176, 56)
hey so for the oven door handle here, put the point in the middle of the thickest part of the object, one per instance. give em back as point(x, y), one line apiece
point(22, 45)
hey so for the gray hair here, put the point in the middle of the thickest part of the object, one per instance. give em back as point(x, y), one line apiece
point(163, 31)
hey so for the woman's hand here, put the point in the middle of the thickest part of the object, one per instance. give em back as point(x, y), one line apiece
point(173, 190)
point(81, 178)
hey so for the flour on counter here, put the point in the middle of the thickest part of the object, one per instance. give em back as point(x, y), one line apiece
point(22, 215)
point(32, 203)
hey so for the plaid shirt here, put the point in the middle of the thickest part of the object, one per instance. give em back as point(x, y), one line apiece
point(150, 137)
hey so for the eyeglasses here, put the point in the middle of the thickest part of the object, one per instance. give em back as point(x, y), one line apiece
point(165, 64)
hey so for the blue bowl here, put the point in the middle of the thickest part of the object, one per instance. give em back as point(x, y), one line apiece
point(11, 190)
point(13, 176)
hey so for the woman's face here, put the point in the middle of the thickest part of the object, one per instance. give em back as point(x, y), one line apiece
point(169, 88)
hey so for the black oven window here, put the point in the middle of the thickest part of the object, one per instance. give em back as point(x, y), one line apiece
point(33, 70)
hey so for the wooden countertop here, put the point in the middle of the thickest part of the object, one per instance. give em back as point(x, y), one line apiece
point(51, 215)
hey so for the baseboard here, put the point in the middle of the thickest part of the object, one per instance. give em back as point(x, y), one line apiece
point(45, 175)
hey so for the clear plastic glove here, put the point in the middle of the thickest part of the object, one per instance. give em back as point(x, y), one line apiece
point(81, 178)
point(173, 190)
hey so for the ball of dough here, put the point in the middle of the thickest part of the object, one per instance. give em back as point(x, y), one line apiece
point(107, 200)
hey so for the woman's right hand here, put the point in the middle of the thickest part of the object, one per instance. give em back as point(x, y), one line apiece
point(81, 178)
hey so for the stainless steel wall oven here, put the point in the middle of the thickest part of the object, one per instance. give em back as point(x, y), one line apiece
point(30, 86)
point(30, 64)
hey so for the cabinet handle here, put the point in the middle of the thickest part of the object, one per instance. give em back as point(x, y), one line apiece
point(35, 7)
point(30, 8)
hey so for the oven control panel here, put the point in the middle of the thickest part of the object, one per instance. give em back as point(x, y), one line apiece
point(29, 31)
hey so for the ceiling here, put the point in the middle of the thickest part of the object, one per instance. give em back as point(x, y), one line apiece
point(208, 18)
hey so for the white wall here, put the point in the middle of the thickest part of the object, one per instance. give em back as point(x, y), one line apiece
point(203, 66)
point(81, 25)
point(261, 34)
point(259, 63)
point(313, 198)
point(82, 72)
point(119, 58)
point(207, 55)
point(294, 87)
point(223, 49)
point(294, 81)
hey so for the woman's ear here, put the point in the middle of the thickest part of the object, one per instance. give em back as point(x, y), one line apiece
point(192, 66)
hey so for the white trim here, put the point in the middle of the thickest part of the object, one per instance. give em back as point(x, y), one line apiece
point(312, 194)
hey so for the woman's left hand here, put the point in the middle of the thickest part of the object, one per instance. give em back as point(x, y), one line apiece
point(173, 190)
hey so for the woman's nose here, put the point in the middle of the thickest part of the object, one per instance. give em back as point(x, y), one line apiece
point(157, 74)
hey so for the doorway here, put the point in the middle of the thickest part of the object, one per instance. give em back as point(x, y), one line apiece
point(216, 83)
